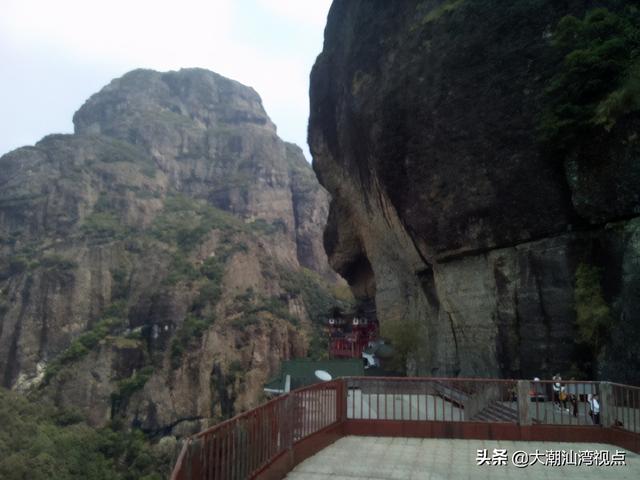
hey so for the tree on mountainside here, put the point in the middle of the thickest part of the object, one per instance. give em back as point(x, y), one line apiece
point(598, 82)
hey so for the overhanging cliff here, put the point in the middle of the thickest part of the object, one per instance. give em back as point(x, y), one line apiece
point(488, 252)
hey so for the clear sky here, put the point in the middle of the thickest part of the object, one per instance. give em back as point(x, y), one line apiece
point(56, 53)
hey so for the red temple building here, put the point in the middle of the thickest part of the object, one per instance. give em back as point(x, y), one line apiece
point(351, 333)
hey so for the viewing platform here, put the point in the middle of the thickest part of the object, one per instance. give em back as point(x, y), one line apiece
point(400, 458)
point(305, 433)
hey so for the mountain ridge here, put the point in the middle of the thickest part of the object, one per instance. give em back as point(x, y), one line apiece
point(156, 265)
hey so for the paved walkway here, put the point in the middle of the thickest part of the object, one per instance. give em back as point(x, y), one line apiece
point(437, 459)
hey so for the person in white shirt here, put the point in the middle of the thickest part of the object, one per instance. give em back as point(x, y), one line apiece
point(556, 389)
point(595, 409)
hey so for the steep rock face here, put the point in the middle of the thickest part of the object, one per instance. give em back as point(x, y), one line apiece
point(446, 209)
point(186, 121)
point(148, 261)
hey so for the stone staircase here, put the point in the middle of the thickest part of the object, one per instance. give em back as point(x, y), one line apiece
point(497, 412)
point(453, 395)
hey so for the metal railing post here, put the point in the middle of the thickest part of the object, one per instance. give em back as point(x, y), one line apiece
point(523, 402)
point(292, 408)
point(341, 398)
point(607, 405)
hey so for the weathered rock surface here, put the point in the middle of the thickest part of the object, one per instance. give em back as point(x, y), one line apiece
point(444, 207)
point(147, 261)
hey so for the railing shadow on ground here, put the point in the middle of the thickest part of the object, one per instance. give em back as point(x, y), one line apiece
point(268, 441)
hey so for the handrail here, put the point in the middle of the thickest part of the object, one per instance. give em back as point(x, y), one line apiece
point(625, 401)
point(180, 462)
point(240, 416)
point(291, 427)
point(242, 446)
point(434, 379)
point(630, 387)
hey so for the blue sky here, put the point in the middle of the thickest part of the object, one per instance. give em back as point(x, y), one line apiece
point(55, 54)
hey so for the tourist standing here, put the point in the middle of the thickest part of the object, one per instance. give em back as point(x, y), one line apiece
point(595, 409)
point(556, 389)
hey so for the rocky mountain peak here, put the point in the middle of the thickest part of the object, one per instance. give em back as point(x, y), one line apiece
point(158, 264)
point(194, 96)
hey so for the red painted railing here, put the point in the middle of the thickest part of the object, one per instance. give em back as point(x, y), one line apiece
point(241, 447)
point(431, 399)
point(267, 442)
point(626, 407)
point(346, 348)
point(563, 404)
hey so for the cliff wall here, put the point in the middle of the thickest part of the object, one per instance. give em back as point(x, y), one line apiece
point(451, 211)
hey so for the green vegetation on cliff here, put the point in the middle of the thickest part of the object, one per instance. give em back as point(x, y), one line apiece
point(193, 328)
point(404, 335)
point(114, 321)
point(122, 252)
point(599, 80)
point(129, 386)
point(437, 12)
point(41, 442)
point(318, 297)
point(185, 221)
point(593, 315)
point(103, 226)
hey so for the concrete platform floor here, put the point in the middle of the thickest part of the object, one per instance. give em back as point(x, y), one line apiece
point(437, 459)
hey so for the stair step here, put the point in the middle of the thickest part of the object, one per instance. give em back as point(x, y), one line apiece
point(496, 413)
point(504, 413)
